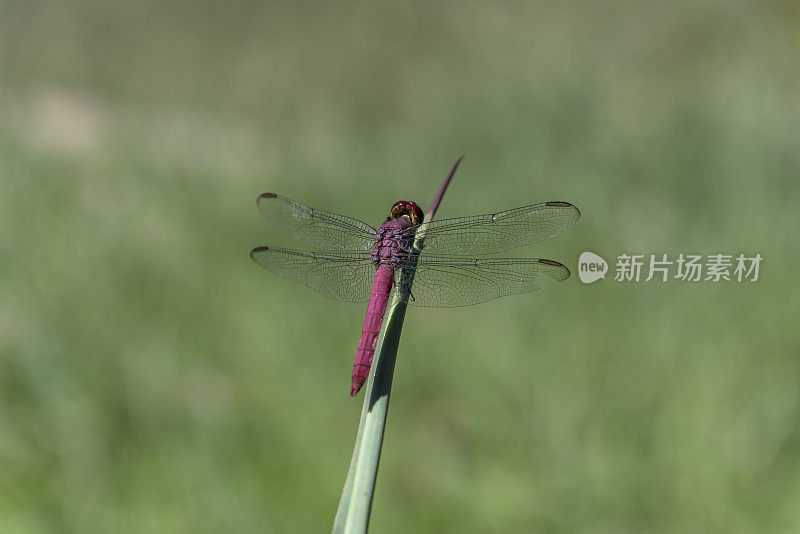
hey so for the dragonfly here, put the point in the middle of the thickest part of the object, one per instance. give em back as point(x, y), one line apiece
point(357, 262)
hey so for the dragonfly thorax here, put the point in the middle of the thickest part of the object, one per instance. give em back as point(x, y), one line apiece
point(392, 243)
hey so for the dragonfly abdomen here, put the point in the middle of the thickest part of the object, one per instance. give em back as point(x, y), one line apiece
point(386, 254)
point(381, 288)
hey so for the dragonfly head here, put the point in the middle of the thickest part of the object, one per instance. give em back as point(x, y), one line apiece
point(406, 207)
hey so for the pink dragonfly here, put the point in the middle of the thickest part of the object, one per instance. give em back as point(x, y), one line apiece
point(360, 263)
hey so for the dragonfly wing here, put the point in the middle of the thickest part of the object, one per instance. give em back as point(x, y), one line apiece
point(336, 275)
point(318, 228)
point(495, 232)
point(446, 281)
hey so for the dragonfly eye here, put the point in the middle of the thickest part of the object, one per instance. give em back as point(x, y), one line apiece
point(398, 210)
point(406, 207)
point(415, 212)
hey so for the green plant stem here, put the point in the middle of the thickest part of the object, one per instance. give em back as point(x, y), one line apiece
point(356, 502)
point(352, 516)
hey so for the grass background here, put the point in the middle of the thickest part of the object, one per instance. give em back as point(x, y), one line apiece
point(153, 379)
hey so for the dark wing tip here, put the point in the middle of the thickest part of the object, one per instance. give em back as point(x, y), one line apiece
point(264, 196)
point(557, 264)
point(257, 250)
point(562, 204)
point(546, 262)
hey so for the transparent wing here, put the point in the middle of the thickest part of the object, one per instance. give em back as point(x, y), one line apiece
point(336, 275)
point(494, 232)
point(446, 281)
point(318, 228)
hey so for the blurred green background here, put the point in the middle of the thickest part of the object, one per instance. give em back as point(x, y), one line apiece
point(154, 379)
